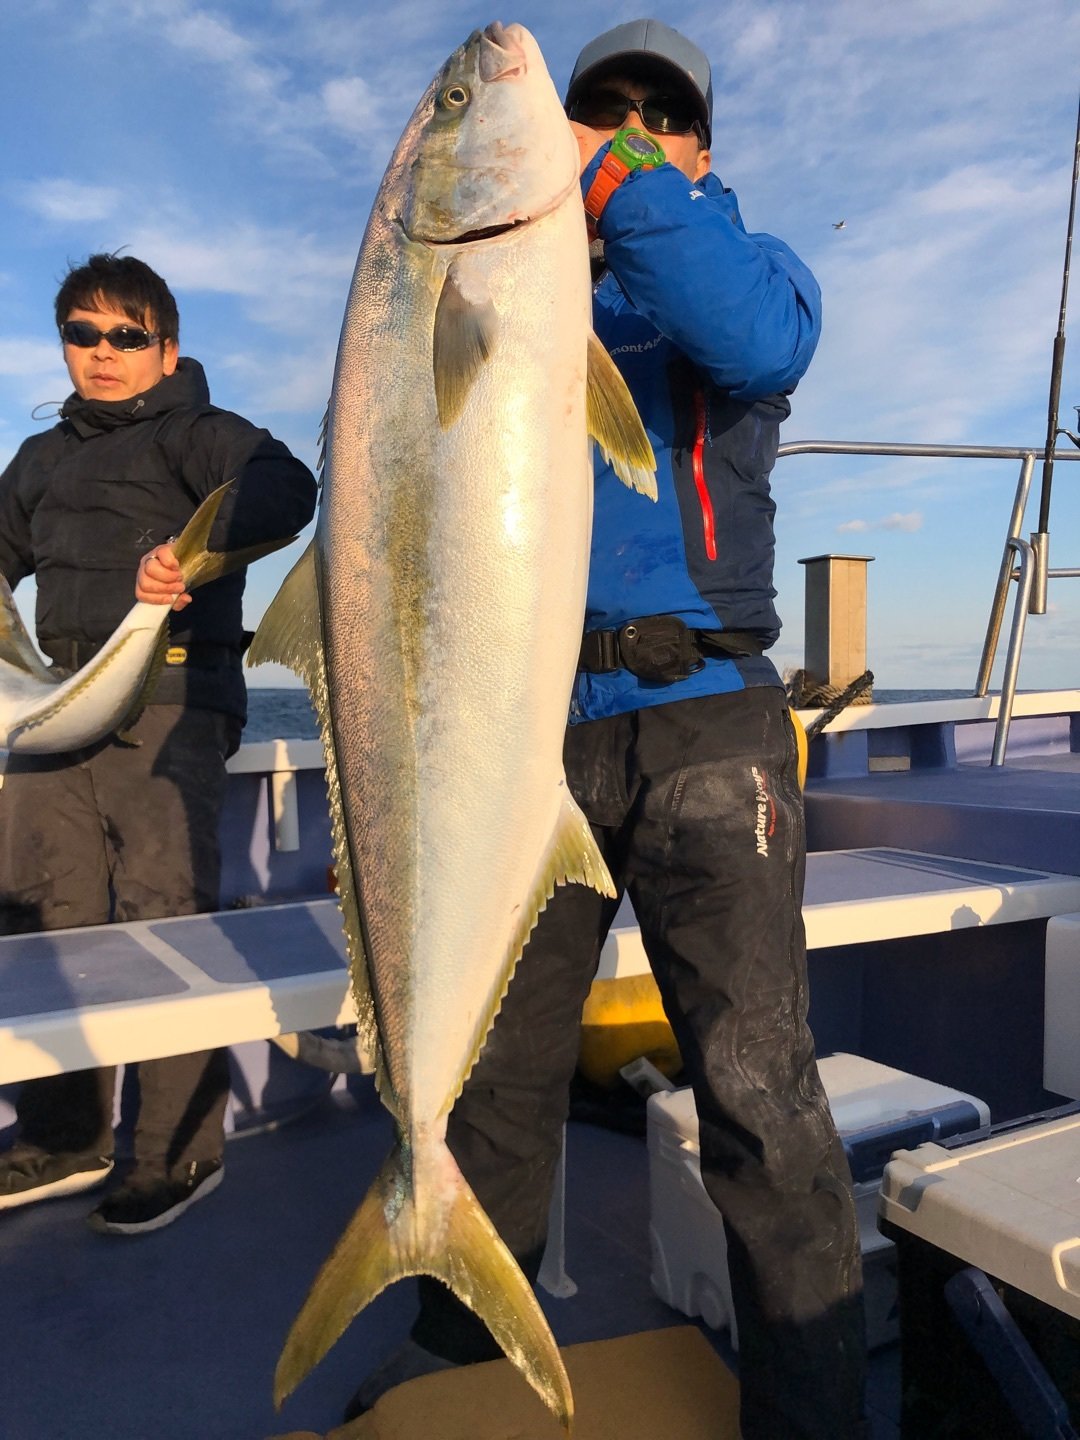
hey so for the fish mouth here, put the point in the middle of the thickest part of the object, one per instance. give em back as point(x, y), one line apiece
point(487, 232)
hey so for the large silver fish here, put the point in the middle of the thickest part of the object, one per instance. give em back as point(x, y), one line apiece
point(437, 618)
point(43, 713)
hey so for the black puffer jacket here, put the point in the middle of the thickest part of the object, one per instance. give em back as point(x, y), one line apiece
point(82, 503)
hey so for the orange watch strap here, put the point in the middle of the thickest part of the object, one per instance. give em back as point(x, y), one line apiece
point(606, 181)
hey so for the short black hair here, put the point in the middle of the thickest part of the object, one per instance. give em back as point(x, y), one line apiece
point(125, 282)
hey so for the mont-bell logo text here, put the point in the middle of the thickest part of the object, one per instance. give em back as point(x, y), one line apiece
point(764, 811)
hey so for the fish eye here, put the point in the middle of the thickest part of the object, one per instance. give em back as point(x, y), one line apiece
point(454, 97)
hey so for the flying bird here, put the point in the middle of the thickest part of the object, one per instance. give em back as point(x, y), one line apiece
point(839, 224)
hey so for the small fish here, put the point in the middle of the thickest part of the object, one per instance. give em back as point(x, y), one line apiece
point(437, 619)
point(43, 714)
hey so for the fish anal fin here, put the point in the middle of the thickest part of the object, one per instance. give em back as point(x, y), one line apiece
point(466, 328)
point(289, 633)
point(421, 1218)
point(615, 424)
point(572, 857)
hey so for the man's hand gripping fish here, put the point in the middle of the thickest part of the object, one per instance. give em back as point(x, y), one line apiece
point(45, 713)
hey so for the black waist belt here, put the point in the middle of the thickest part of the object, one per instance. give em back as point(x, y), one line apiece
point(661, 647)
point(74, 654)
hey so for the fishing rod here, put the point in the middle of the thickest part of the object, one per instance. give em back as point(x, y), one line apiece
point(1041, 540)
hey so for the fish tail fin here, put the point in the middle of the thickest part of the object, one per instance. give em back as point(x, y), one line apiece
point(198, 564)
point(421, 1218)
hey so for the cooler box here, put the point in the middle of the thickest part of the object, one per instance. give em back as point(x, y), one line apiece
point(1009, 1205)
point(877, 1110)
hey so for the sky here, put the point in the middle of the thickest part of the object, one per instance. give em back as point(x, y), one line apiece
point(237, 147)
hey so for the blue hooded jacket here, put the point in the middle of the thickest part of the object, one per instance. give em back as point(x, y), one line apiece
point(711, 328)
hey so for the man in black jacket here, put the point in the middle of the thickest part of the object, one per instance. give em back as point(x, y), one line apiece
point(128, 829)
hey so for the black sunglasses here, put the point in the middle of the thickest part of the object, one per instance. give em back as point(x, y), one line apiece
point(661, 114)
point(120, 337)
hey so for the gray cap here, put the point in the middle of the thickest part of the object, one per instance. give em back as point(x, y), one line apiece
point(652, 41)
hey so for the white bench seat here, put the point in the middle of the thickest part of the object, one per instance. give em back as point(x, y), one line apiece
point(853, 896)
point(112, 994)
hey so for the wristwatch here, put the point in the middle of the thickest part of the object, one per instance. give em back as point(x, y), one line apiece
point(630, 150)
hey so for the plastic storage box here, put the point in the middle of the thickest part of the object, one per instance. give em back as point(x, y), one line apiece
point(877, 1110)
point(1008, 1205)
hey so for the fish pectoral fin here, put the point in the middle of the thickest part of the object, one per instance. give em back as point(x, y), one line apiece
point(289, 633)
point(422, 1219)
point(466, 328)
point(198, 565)
point(16, 647)
point(615, 424)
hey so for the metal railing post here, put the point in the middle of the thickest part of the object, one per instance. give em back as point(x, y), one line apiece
point(1032, 557)
point(997, 608)
point(1016, 639)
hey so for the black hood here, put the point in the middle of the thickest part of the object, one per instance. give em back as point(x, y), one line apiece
point(185, 388)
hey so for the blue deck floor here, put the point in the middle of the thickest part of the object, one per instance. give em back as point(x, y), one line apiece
point(174, 1335)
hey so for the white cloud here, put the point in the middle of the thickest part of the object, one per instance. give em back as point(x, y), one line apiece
point(278, 267)
point(265, 73)
point(25, 355)
point(907, 524)
point(68, 201)
point(351, 104)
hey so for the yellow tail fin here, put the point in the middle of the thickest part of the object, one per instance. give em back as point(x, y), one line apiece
point(198, 564)
point(421, 1218)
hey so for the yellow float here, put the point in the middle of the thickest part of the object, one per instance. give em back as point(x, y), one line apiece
point(624, 1020)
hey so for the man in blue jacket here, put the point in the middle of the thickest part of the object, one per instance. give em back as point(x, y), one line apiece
point(682, 754)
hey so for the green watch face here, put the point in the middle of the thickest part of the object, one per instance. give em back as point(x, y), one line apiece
point(636, 149)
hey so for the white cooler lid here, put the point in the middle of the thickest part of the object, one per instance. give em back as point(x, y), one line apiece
point(863, 1096)
point(1009, 1204)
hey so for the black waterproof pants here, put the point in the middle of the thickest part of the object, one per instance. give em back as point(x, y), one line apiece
point(697, 809)
point(121, 832)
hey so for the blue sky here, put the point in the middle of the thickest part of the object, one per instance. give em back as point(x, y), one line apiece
point(237, 147)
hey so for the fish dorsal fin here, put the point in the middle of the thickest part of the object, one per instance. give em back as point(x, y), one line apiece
point(615, 424)
point(16, 647)
point(466, 328)
point(573, 856)
point(290, 633)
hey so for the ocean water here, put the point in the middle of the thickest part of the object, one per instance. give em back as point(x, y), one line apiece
point(286, 714)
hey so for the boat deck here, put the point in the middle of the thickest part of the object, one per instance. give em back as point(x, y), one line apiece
point(175, 1335)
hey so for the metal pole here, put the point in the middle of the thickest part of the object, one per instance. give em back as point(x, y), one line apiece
point(1012, 655)
point(1059, 350)
point(1001, 590)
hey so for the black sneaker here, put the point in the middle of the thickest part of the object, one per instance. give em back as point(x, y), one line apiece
point(29, 1174)
point(408, 1362)
point(145, 1203)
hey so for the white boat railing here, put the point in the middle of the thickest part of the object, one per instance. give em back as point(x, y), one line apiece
point(1022, 560)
